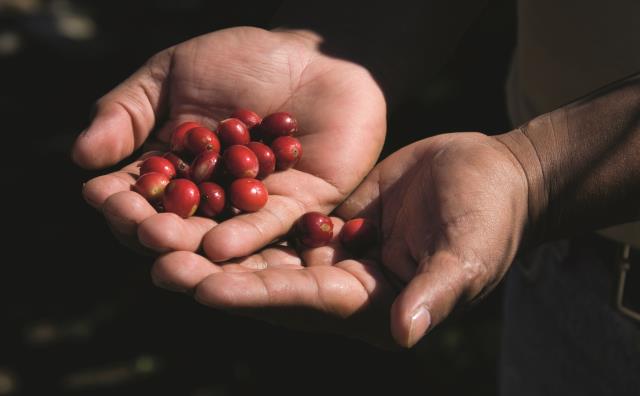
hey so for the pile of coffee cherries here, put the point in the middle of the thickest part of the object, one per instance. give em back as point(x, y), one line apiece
point(217, 173)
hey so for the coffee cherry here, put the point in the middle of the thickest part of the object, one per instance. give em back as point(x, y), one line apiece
point(178, 137)
point(151, 186)
point(204, 166)
point(240, 161)
point(248, 195)
point(202, 139)
point(182, 168)
point(358, 234)
point(266, 159)
point(212, 199)
point(279, 124)
point(233, 131)
point(248, 117)
point(158, 164)
point(314, 229)
point(288, 152)
point(181, 197)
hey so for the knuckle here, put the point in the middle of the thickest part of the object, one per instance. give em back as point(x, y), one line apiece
point(476, 276)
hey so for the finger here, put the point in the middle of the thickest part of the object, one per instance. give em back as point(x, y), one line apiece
point(274, 257)
point(124, 226)
point(124, 211)
point(351, 298)
point(97, 190)
point(242, 235)
point(429, 298)
point(181, 271)
point(364, 201)
point(125, 116)
point(165, 232)
point(326, 289)
point(131, 243)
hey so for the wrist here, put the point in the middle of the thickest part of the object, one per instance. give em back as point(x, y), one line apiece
point(525, 156)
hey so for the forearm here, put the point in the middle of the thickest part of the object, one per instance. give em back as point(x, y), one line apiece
point(582, 162)
point(399, 42)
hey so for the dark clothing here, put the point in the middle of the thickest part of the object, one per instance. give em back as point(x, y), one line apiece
point(562, 334)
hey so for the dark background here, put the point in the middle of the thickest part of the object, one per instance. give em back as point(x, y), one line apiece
point(78, 314)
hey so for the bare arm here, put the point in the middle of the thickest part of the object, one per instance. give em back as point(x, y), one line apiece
point(582, 162)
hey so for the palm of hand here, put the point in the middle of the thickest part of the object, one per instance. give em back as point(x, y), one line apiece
point(337, 103)
point(440, 195)
point(451, 213)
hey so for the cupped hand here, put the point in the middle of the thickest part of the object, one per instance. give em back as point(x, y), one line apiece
point(319, 290)
point(451, 212)
point(339, 107)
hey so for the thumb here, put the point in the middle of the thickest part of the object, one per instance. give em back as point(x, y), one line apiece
point(125, 116)
point(441, 281)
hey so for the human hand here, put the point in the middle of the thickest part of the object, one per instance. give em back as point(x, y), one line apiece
point(339, 107)
point(451, 211)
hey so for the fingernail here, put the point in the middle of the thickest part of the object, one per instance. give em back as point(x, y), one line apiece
point(420, 322)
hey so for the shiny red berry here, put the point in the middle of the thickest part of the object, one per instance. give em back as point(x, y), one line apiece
point(181, 197)
point(248, 195)
point(240, 161)
point(357, 235)
point(314, 229)
point(288, 152)
point(151, 186)
point(204, 166)
point(178, 137)
point(202, 139)
point(279, 124)
point(233, 131)
point(248, 117)
point(212, 199)
point(182, 168)
point(158, 164)
point(266, 159)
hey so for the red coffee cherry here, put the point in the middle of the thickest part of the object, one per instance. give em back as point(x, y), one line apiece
point(202, 139)
point(182, 168)
point(151, 186)
point(233, 131)
point(240, 161)
point(279, 124)
point(158, 164)
point(178, 137)
point(204, 166)
point(181, 197)
point(248, 195)
point(248, 117)
point(358, 234)
point(288, 152)
point(314, 229)
point(212, 199)
point(266, 159)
